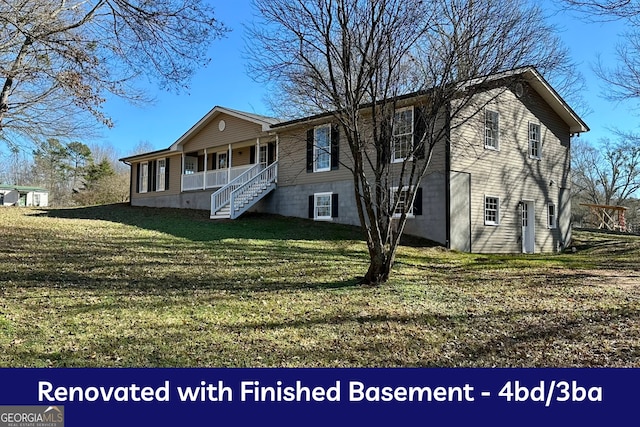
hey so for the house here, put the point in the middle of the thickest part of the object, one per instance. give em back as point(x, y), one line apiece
point(15, 195)
point(500, 186)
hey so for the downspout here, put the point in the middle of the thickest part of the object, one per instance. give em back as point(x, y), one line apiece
point(130, 182)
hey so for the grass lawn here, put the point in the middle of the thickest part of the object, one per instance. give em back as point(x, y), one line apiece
point(122, 286)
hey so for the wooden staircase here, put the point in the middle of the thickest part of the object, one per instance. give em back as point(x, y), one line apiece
point(235, 198)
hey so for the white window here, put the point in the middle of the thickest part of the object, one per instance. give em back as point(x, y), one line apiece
point(36, 199)
point(144, 177)
point(222, 160)
point(322, 206)
point(552, 216)
point(491, 210)
point(402, 135)
point(322, 148)
point(491, 130)
point(161, 174)
point(535, 144)
point(402, 202)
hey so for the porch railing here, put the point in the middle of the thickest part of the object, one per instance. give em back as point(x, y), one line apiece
point(193, 181)
point(212, 179)
point(221, 197)
point(217, 178)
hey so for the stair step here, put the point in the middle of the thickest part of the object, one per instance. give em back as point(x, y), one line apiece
point(220, 216)
point(249, 196)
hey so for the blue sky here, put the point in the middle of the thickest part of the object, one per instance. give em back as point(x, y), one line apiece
point(225, 82)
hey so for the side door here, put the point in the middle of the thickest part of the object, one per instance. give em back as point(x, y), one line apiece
point(528, 227)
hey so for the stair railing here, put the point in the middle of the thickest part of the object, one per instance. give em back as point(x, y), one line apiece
point(263, 179)
point(221, 197)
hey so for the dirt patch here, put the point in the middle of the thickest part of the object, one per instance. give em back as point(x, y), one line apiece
point(617, 278)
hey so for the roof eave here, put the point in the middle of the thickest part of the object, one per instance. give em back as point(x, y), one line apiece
point(213, 113)
point(265, 124)
point(555, 101)
point(544, 89)
point(147, 156)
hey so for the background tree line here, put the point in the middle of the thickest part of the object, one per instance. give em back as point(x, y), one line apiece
point(74, 173)
point(61, 60)
point(608, 172)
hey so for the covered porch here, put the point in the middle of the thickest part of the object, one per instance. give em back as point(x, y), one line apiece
point(215, 167)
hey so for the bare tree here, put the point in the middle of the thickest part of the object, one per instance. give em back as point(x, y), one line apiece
point(623, 79)
point(607, 175)
point(143, 146)
point(607, 9)
point(352, 60)
point(110, 187)
point(17, 167)
point(58, 59)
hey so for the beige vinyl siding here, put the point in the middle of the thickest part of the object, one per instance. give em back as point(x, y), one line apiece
point(293, 155)
point(292, 164)
point(175, 170)
point(439, 154)
point(175, 175)
point(236, 130)
point(241, 156)
point(510, 173)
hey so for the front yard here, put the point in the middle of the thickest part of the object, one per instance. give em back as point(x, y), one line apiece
point(122, 286)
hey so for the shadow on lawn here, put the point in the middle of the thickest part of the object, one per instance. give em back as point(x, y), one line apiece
point(127, 280)
point(195, 225)
point(535, 339)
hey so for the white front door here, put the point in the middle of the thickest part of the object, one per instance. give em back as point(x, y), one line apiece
point(528, 227)
point(262, 154)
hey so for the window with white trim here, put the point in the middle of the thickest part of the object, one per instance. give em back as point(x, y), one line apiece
point(491, 210)
point(402, 135)
point(491, 130)
point(402, 201)
point(144, 177)
point(322, 148)
point(36, 199)
point(535, 142)
point(552, 216)
point(322, 206)
point(161, 170)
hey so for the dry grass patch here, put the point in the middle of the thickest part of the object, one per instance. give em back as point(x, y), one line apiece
point(122, 286)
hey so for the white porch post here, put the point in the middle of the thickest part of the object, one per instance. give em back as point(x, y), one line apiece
point(229, 163)
point(277, 154)
point(182, 174)
point(257, 156)
point(204, 179)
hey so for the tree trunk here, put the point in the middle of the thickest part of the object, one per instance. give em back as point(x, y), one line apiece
point(8, 83)
point(379, 267)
